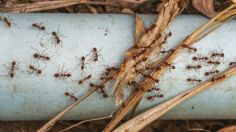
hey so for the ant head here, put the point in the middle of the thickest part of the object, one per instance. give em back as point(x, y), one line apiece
point(56, 75)
point(83, 58)
point(173, 67)
point(94, 49)
point(66, 93)
point(47, 58)
point(80, 81)
point(31, 67)
point(105, 95)
point(36, 55)
point(149, 97)
point(39, 71)
point(43, 28)
point(195, 49)
point(206, 73)
point(68, 75)
point(194, 58)
point(54, 33)
point(188, 79)
point(34, 24)
point(13, 63)
point(91, 85)
point(199, 66)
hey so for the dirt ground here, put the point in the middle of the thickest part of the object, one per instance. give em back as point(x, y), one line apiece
point(97, 126)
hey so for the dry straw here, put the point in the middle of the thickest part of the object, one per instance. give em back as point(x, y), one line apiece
point(148, 83)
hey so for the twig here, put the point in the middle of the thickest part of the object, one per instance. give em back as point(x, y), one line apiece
point(51, 123)
point(142, 120)
point(148, 83)
point(84, 121)
point(48, 5)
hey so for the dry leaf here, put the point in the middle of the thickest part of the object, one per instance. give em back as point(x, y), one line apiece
point(139, 27)
point(127, 11)
point(228, 129)
point(206, 7)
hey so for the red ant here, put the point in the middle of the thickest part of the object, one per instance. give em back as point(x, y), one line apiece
point(194, 80)
point(167, 36)
point(41, 56)
point(101, 88)
point(95, 54)
point(218, 78)
point(152, 89)
point(38, 26)
point(62, 75)
point(6, 21)
point(56, 37)
point(151, 98)
point(71, 96)
point(213, 62)
point(82, 62)
point(217, 54)
point(189, 67)
point(81, 82)
point(13, 67)
point(157, 68)
point(200, 58)
point(232, 63)
point(35, 70)
point(190, 49)
point(211, 72)
point(167, 51)
point(169, 65)
point(149, 77)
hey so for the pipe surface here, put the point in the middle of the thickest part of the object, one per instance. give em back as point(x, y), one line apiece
point(39, 97)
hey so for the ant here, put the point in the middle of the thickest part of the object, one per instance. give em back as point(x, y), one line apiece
point(189, 67)
point(157, 68)
point(35, 70)
point(56, 37)
point(152, 89)
point(6, 21)
point(149, 77)
point(200, 58)
point(211, 72)
point(213, 62)
point(101, 88)
point(81, 82)
point(193, 80)
point(38, 26)
point(151, 98)
point(167, 36)
point(82, 62)
point(41, 56)
point(218, 78)
point(232, 63)
point(190, 49)
point(96, 54)
point(169, 65)
point(71, 96)
point(62, 75)
point(217, 54)
point(14, 66)
point(167, 51)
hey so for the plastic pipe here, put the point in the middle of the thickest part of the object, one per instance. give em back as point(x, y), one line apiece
point(40, 97)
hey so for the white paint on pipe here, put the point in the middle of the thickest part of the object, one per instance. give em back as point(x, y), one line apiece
point(32, 97)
